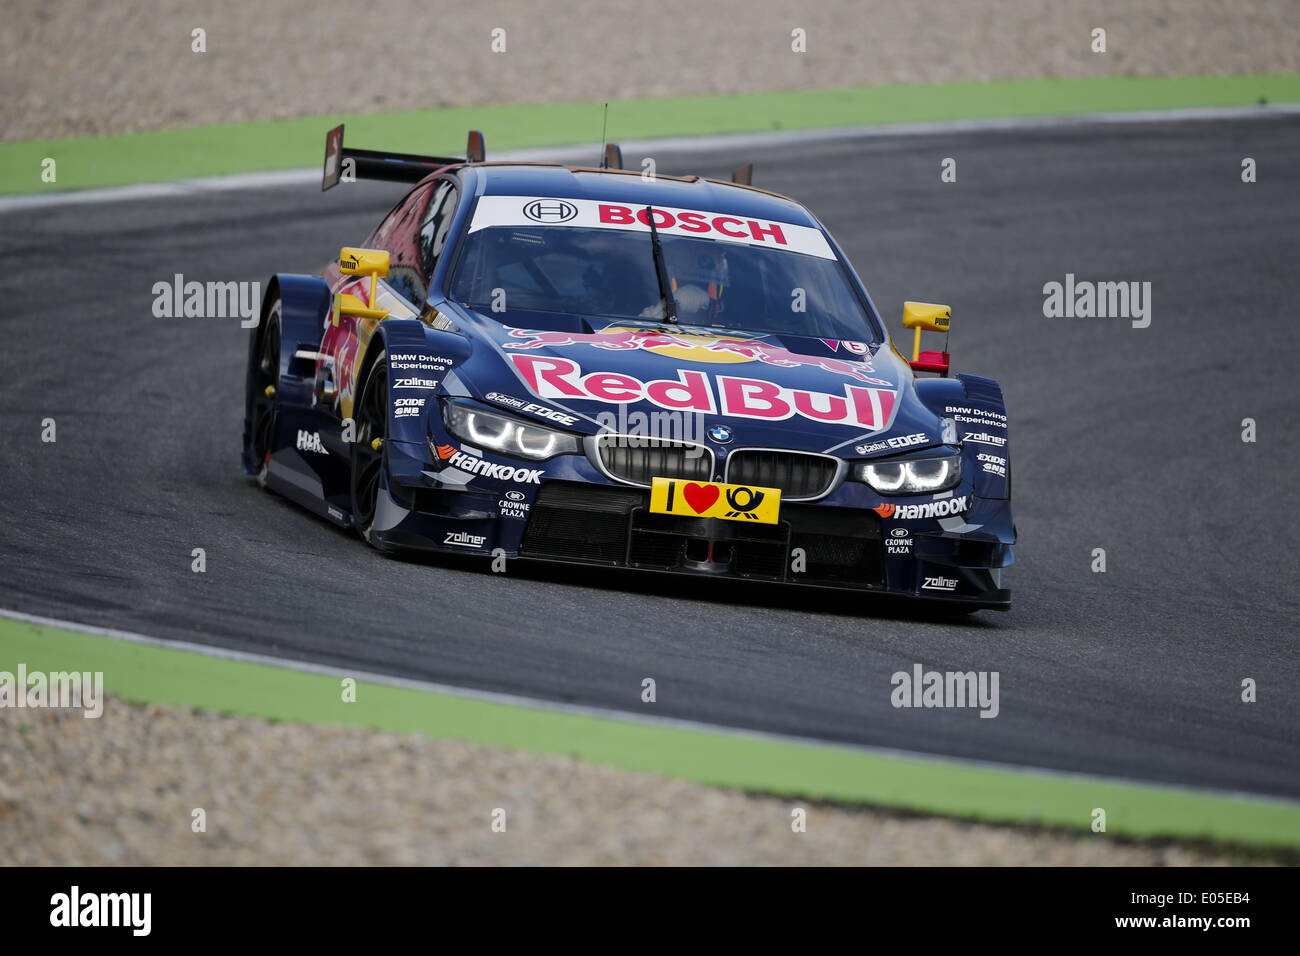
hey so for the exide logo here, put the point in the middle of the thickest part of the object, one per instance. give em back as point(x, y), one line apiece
point(692, 391)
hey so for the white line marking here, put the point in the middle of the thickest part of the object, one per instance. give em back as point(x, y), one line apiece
point(170, 190)
point(537, 703)
point(589, 152)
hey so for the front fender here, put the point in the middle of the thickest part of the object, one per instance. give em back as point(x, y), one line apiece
point(418, 360)
point(305, 307)
point(304, 304)
point(977, 406)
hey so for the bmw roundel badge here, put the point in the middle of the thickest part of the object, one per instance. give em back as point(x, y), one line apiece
point(720, 434)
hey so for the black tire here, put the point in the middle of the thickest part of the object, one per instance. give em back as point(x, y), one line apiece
point(266, 375)
point(367, 462)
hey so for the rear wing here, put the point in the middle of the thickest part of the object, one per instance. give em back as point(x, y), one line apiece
point(344, 164)
point(392, 167)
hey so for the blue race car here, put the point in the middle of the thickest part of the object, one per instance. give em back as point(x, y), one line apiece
point(581, 365)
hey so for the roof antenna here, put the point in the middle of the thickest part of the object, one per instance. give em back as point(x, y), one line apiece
point(604, 125)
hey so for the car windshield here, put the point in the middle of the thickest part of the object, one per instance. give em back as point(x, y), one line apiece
point(611, 273)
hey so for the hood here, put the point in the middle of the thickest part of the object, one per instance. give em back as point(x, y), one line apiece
point(642, 377)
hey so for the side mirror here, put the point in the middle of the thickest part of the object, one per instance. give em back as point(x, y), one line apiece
point(927, 317)
point(361, 262)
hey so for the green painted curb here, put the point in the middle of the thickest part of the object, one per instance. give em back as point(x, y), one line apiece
point(145, 673)
point(288, 144)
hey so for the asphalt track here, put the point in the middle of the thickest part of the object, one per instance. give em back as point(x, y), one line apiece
point(1124, 439)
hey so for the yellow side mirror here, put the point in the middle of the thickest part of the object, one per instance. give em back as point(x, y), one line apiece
point(351, 305)
point(927, 317)
point(361, 262)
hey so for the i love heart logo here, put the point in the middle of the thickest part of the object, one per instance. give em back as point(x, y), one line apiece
point(700, 497)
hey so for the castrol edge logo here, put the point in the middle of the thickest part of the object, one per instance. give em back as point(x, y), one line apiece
point(596, 214)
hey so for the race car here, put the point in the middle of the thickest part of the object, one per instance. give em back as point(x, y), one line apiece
point(593, 366)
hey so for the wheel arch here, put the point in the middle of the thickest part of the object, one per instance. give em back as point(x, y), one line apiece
point(412, 336)
point(980, 411)
point(305, 301)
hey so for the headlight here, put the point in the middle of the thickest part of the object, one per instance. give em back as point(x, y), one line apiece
point(911, 476)
point(505, 435)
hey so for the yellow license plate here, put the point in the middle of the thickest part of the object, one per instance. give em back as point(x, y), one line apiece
point(709, 499)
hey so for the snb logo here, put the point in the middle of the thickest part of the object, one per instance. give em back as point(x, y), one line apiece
point(550, 210)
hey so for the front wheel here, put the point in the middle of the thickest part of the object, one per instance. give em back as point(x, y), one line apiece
point(367, 456)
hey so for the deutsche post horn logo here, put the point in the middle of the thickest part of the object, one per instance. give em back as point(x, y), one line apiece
point(550, 210)
point(739, 508)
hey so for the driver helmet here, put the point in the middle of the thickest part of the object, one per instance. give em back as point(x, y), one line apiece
point(703, 267)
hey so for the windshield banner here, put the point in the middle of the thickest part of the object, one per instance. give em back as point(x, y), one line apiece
point(598, 214)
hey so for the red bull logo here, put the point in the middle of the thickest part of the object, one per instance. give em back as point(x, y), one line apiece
point(695, 347)
point(694, 391)
point(772, 354)
point(615, 340)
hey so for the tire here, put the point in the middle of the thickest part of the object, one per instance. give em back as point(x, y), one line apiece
point(266, 375)
point(367, 461)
